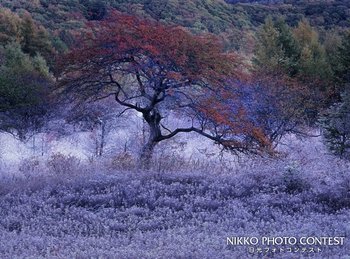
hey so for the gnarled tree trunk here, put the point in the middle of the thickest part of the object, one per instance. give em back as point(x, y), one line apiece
point(146, 155)
point(153, 119)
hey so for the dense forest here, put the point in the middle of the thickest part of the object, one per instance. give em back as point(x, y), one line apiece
point(304, 43)
point(217, 17)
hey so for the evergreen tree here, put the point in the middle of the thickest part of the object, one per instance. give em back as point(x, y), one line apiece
point(336, 127)
point(24, 89)
point(313, 62)
point(343, 71)
point(332, 43)
point(290, 47)
point(276, 48)
point(95, 10)
point(268, 52)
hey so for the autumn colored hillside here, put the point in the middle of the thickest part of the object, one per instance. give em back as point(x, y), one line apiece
point(219, 17)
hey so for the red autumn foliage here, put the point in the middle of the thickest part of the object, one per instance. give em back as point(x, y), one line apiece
point(156, 69)
point(122, 38)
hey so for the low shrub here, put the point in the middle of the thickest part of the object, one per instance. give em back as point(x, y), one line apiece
point(123, 161)
point(30, 166)
point(62, 165)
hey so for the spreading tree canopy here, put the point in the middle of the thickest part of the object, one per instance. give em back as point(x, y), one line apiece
point(159, 70)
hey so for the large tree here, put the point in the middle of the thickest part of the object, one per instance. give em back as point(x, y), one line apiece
point(157, 70)
point(24, 88)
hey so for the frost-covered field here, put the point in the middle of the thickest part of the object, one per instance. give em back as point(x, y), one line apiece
point(98, 212)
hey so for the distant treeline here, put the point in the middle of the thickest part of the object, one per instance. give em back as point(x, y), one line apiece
point(320, 13)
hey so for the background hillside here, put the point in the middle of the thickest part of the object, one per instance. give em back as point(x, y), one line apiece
point(327, 14)
point(232, 20)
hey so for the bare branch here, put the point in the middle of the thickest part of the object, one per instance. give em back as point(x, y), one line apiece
point(167, 129)
point(122, 112)
point(129, 105)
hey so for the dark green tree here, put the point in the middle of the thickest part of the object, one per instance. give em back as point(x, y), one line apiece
point(343, 69)
point(94, 10)
point(276, 48)
point(313, 62)
point(24, 89)
point(290, 47)
point(268, 51)
point(336, 127)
